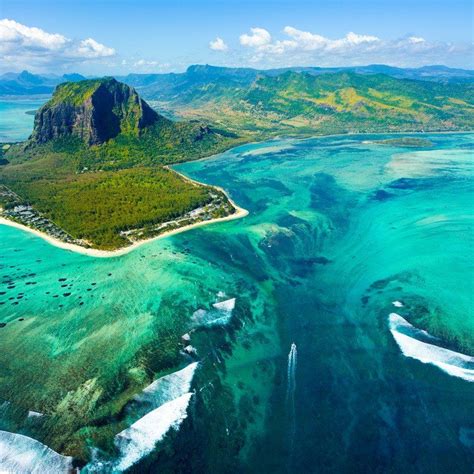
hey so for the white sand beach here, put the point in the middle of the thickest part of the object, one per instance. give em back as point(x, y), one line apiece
point(239, 213)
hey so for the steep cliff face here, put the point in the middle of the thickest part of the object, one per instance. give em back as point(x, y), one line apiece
point(94, 110)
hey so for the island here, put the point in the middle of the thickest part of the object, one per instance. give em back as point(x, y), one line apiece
point(95, 172)
point(405, 142)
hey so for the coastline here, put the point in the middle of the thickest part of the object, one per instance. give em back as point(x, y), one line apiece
point(239, 213)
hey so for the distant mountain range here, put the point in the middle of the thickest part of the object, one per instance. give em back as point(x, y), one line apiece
point(308, 101)
point(26, 83)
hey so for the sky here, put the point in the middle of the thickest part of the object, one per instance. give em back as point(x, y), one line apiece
point(124, 36)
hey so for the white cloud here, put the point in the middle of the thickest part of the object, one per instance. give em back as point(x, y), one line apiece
point(33, 48)
point(147, 65)
point(218, 45)
point(90, 48)
point(416, 39)
point(304, 48)
point(261, 40)
point(143, 62)
point(259, 37)
point(353, 38)
point(14, 33)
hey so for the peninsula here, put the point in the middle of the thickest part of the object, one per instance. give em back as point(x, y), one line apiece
point(94, 174)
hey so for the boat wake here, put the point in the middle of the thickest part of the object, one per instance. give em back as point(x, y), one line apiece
point(290, 395)
point(420, 345)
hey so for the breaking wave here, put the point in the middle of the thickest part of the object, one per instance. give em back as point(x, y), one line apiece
point(140, 439)
point(420, 345)
point(220, 315)
point(166, 388)
point(21, 454)
point(160, 407)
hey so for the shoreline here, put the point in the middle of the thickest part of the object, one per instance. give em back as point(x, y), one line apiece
point(240, 212)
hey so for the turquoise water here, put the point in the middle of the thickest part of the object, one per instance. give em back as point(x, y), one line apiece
point(16, 118)
point(339, 228)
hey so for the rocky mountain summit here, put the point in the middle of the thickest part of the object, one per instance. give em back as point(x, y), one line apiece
point(94, 110)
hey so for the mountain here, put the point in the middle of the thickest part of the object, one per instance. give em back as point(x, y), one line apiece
point(25, 83)
point(93, 110)
point(438, 73)
point(74, 77)
point(163, 85)
point(94, 166)
point(110, 126)
point(337, 102)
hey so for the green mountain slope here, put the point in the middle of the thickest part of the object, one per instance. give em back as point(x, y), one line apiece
point(329, 103)
point(93, 167)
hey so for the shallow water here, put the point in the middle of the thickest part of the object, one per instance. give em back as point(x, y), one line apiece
point(338, 230)
point(17, 117)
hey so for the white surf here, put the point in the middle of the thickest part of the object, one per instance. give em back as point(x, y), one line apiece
point(140, 439)
point(21, 454)
point(220, 315)
point(451, 362)
point(167, 388)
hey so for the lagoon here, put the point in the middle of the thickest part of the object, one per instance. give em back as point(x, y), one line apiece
point(339, 228)
point(17, 117)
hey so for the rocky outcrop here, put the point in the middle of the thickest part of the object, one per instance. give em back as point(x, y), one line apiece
point(94, 110)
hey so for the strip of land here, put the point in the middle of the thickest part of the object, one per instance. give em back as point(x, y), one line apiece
point(239, 213)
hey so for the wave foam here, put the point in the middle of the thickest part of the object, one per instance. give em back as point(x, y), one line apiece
point(220, 315)
point(21, 454)
point(227, 305)
point(160, 407)
point(140, 438)
point(451, 362)
point(168, 387)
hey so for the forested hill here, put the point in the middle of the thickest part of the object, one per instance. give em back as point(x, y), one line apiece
point(94, 111)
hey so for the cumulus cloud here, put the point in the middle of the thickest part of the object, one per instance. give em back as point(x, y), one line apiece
point(298, 47)
point(218, 45)
point(90, 48)
point(25, 46)
point(258, 38)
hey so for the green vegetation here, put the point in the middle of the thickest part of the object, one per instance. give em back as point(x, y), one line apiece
point(75, 93)
point(95, 180)
point(408, 142)
point(96, 206)
point(342, 102)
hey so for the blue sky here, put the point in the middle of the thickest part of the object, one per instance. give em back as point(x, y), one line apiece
point(118, 36)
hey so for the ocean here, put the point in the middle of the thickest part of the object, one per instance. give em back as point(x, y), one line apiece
point(332, 327)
